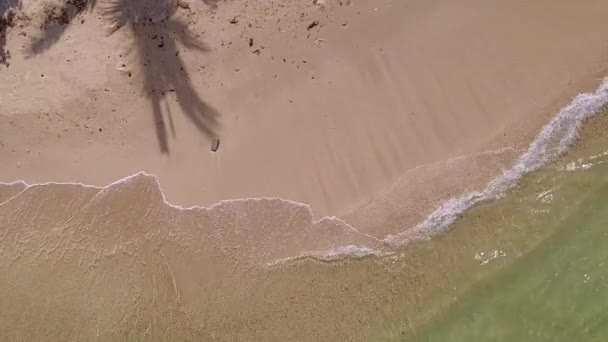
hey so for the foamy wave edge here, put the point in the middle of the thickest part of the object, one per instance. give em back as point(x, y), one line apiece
point(554, 140)
point(341, 252)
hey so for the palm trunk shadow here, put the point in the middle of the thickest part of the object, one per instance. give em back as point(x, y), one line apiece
point(163, 70)
point(159, 124)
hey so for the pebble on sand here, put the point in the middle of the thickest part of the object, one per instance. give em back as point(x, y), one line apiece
point(215, 144)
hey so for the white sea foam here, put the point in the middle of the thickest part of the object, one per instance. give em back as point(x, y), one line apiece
point(554, 139)
point(126, 180)
point(584, 164)
point(336, 254)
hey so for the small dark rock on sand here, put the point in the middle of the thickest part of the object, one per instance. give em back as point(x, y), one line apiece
point(312, 25)
point(215, 144)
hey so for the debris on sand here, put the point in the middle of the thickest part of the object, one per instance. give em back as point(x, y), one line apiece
point(63, 15)
point(183, 4)
point(7, 21)
point(215, 144)
point(313, 25)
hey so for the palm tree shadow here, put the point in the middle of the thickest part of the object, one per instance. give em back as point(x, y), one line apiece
point(7, 20)
point(57, 18)
point(156, 46)
point(164, 72)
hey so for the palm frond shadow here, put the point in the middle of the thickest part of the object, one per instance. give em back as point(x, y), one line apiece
point(8, 10)
point(57, 18)
point(156, 41)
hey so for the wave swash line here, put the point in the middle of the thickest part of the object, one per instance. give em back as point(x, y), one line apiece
point(554, 139)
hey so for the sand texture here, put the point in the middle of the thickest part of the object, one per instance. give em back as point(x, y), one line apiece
point(329, 116)
point(335, 124)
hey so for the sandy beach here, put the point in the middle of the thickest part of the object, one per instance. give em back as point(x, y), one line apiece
point(330, 116)
point(339, 123)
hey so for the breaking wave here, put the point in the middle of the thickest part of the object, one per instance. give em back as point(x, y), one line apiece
point(554, 140)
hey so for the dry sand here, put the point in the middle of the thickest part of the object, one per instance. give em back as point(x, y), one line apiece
point(370, 111)
point(395, 85)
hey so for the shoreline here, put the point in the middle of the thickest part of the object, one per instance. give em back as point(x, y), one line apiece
point(408, 288)
point(564, 126)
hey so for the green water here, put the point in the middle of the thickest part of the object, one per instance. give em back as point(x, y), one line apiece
point(557, 288)
point(558, 292)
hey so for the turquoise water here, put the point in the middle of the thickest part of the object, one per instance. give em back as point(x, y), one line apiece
point(558, 290)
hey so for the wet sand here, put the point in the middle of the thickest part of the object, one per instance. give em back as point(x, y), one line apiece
point(132, 267)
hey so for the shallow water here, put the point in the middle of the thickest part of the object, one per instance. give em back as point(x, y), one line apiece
point(558, 289)
point(558, 292)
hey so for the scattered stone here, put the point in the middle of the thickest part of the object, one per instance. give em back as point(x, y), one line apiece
point(234, 21)
point(313, 25)
point(215, 144)
point(256, 51)
point(250, 42)
point(183, 5)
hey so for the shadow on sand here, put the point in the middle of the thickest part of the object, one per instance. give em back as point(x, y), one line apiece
point(156, 38)
point(8, 10)
point(57, 18)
